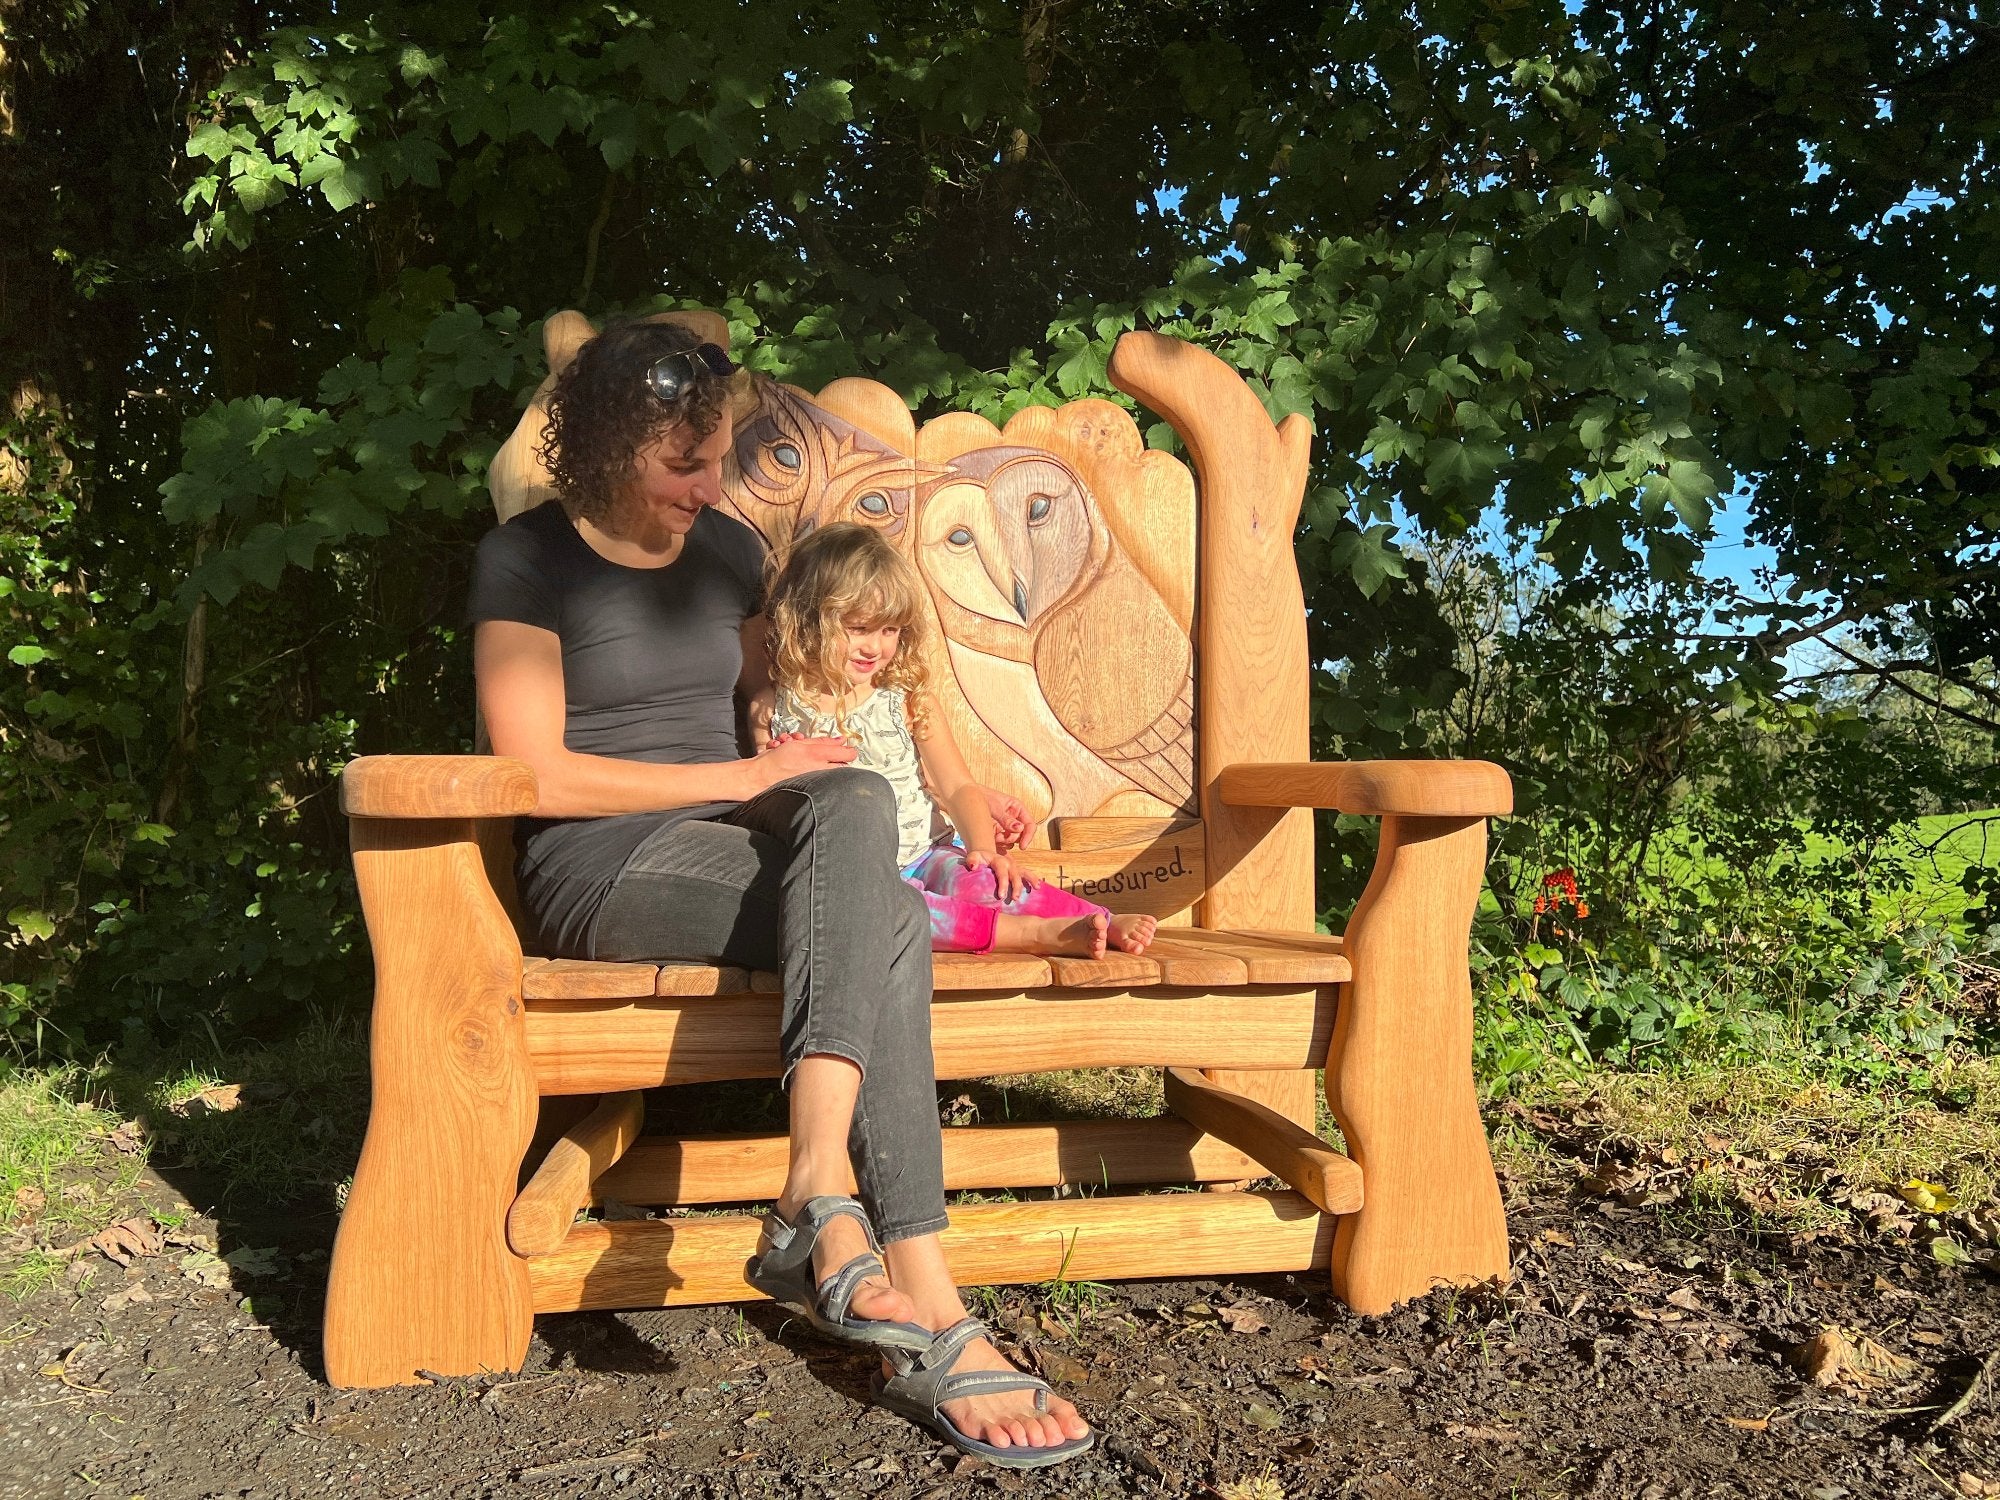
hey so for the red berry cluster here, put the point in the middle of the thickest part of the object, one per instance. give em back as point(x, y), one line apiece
point(1558, 891)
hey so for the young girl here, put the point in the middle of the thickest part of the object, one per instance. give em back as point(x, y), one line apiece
point(846, 652)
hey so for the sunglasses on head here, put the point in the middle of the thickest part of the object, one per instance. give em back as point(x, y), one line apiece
point(672, 374)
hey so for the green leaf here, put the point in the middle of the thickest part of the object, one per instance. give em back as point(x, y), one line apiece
point(1369, 557)
point(27, 656)
point(32, 923)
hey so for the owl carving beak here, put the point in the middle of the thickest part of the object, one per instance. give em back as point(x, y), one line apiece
point(1021, 600)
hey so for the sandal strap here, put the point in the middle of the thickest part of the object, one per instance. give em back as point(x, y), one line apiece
point(819, 1212)
point(985, 1382)
point(836, 1293)
point(937, 1358)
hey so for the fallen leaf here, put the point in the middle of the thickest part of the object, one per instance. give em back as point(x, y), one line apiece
point(1057, 1367)
point(190, 1239)
point(118, 1301)
point(205, 1268)
point(124, 1242)
point(1557, 1237)
point(29, 1202)
point(1925, 1336)
point(1482, 1434)
point(1749, 1424)
point(1242, 1319)
point(253, 1262)
point(1889, 1289)
point(1260, 1415)
point(1685, 1298)
point(1930, 1197)
point(1947, 1251)
point(1832, 1358)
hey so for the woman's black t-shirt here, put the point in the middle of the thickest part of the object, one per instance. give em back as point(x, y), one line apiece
point(650, 658)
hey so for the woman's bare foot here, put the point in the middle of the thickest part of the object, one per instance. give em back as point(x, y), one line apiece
point(1131, 932)
point(1070, 937)
point(1006, 1419)
point(839, 1242)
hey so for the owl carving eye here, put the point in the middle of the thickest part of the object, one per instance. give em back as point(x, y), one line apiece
point(874, 503)
point(1038, 510)
point(958, 536)
point(785, 456)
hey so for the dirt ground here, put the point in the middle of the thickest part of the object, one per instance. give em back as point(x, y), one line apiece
point(1641, 1353)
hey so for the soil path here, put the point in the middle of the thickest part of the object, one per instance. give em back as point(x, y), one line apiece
point(1634, 1357)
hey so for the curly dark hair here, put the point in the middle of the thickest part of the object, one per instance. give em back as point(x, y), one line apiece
point(602, 414)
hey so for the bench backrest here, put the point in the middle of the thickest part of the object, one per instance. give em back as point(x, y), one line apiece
point(1060, 557)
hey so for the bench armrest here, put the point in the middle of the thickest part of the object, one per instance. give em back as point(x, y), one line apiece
point(1375, 788)
point(437, 786)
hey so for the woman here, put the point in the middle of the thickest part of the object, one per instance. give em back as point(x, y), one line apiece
point(616, 629)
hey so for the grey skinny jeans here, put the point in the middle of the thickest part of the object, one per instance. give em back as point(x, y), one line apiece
point(802, 878)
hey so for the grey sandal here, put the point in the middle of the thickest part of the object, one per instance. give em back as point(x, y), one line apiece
point(923, 1383)
point(785, 1273)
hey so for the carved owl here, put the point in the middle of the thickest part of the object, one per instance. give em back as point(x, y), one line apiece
point(1023, 568)
point(794, 466)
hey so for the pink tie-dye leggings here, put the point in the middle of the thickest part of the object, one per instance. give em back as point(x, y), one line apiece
point(965, 903)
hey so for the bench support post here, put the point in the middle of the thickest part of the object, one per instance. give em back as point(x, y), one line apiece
point(1399, 1075)
point(422, 1279)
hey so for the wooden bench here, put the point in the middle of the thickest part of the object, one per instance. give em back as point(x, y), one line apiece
point(1143, 687)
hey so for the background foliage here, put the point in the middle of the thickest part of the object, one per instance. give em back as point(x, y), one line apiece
point(1549, 282)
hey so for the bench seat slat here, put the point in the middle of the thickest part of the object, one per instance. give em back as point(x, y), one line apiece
point(1184, 956)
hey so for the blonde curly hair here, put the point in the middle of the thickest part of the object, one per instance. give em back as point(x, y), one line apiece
point(834, 574)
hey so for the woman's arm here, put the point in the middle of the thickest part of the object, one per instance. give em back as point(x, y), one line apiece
point(518, 669)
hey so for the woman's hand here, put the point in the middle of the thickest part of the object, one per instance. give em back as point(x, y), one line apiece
point(1012, 827)
point(795, 754)
point(1009, 883)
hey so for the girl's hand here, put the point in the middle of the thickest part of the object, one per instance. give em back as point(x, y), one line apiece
point(1009, 883)
point(796, 754)
point(1012, 827)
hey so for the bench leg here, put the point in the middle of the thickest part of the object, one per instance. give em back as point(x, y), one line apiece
point(422, 1277)
point(1399, 1075)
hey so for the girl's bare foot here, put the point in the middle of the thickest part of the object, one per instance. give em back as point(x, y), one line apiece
point(1130, 932)
point(1070, 937)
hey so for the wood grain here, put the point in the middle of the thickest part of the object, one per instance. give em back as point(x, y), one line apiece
point(1299, 1157)
point(437, 786)
point(1375, 788)
point(874, 408)
point(1088, 1153)
point(422, 1278)
point(601, 1046)
point(1250, 641)
point(585, 979)
point(1275, 957)
point(548, 1205)
point(1158, 878)
point(1399, 1075)
point(1085, 835)
point(667, 1262)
